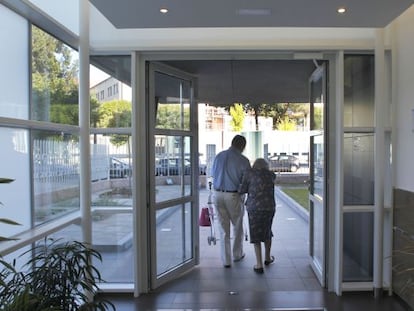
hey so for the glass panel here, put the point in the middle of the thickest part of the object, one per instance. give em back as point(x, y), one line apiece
point(172, 98)
point(359, 90)
point(112, 236)
point(16, 196)
point(55, 174)
point(358, 247)
point(359, 169)
point(111, 165)
point(174, 237)
point(318, 104)
point(111, 93)
point(172, 167)
point(111, 168)
point(318, 236)
point(54, 80)
point(14, 88)
point(318, 167)
point(111, 159)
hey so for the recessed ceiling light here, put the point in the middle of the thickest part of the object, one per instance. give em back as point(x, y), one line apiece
point(257, 12)
point(341, 10)
point(164, 10)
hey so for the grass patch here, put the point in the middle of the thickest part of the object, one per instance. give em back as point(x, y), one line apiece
point(299, 194)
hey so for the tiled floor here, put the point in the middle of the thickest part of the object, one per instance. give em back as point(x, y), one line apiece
point(288, 284)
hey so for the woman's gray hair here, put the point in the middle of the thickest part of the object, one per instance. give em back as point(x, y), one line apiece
point(261, 163)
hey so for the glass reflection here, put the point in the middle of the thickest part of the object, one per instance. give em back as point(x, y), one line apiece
point(172, 167)
point(14, 64)
point(318, 166)
point(359, 169)
point(318, 234)
point(358, 247)
point(55, 84)
point(317, 121)
point(173, 237)
point(172, 99)
point(55, 174)
point(15, 197)
point(359, 87)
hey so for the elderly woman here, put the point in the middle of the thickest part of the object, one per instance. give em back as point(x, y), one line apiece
point(258, 183)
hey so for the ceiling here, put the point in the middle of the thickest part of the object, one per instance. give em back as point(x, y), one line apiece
point(224, 82)
point(134, 14)
point(262, 81)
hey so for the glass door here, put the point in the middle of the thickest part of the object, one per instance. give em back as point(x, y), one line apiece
point(173, 180)
point(317, 186)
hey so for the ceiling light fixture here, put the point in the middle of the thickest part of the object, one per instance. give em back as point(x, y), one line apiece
point(256, 12)
point(341, 10)
point(164, 10)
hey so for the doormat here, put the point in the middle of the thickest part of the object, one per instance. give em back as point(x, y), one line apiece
point(288, 309)
point(251, 309)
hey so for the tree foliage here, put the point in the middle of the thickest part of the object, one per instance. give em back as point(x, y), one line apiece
point(297, 113)
point(115, 113)
point(318, 118)
point(286, 124)
point(54, 76)
point(169, 117)
point(237, 117)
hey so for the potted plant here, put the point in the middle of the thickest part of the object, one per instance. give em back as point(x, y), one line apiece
point(6, 220)
point(58, 276)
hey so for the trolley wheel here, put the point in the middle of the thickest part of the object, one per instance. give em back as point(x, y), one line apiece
point(214, 241)
point(209, 240)
point(246, 237)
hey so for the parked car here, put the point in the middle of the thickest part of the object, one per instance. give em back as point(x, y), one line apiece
point(172, 166)
point(119, 168)
point(284, 163)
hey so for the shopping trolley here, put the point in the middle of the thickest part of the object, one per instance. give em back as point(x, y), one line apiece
point(207, 217)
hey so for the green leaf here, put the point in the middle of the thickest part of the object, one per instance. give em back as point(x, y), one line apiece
point(3, 239)
point(5, 180)
point(9, 222)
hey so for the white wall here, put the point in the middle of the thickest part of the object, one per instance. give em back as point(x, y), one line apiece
point(403, 125)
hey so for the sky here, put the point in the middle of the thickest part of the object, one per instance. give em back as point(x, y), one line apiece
point(96, 76)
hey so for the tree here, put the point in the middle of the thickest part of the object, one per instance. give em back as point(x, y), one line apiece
point(69, 113)
point(169, 117)
point(54, 77)
point(276, 110)
point(317, 118)
point(114, 113)
point(286, 124)
point(120, 119)
point(299, 112)
point(237, 114)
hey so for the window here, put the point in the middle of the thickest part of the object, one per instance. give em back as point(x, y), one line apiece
point(14, 101)
point(111, 173)
point(54, 80)
point(359, 90)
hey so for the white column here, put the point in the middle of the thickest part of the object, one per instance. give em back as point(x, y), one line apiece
point(379, 151)
point(84, 121)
